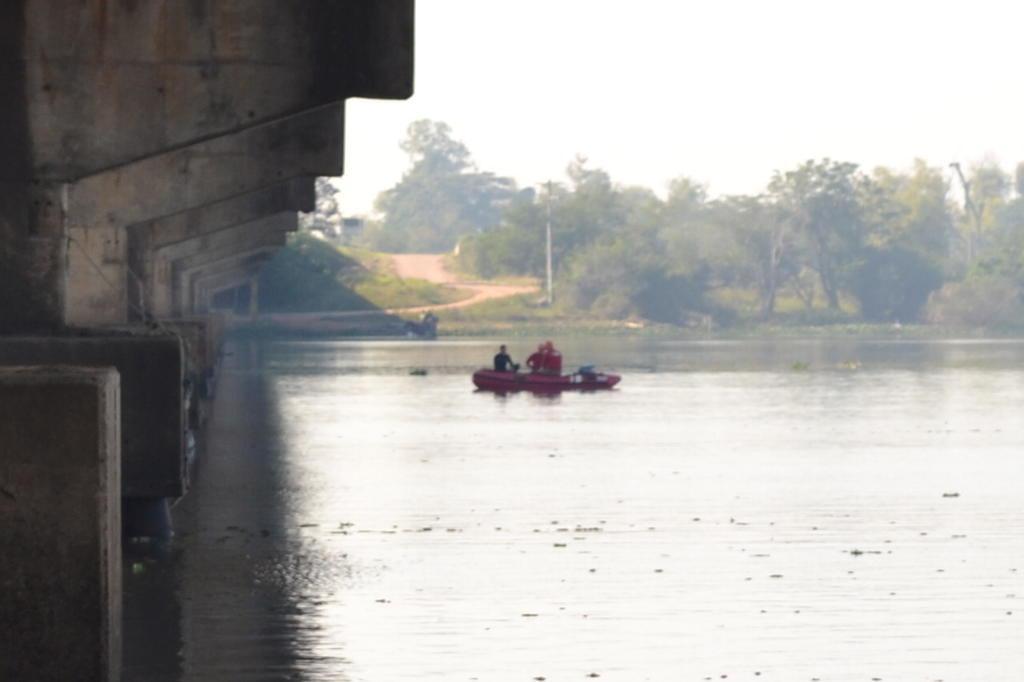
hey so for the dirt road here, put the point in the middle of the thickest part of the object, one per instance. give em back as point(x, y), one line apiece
point(431, 267)
point(425, 266)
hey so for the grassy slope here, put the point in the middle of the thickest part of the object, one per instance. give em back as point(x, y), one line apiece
point(378, 282)
point(312, 275)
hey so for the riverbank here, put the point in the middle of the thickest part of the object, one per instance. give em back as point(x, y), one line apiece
point(583, 327)
point(345, 292)
point(521, 316)
point(377, 324)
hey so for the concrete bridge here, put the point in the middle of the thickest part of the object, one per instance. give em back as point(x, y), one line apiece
point(152, 154)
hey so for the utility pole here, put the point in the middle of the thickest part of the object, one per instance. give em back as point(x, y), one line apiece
point(972, 211)
point(550, 297)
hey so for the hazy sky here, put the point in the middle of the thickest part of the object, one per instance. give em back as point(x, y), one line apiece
point(724, 91)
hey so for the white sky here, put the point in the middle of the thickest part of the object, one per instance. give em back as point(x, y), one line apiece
point(724, 91)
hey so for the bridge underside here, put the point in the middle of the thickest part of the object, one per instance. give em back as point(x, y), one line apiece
point(156, 152)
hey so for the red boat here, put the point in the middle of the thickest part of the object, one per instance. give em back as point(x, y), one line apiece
point(505, 382)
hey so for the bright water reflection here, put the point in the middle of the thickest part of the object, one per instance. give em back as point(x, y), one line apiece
point(724, 513)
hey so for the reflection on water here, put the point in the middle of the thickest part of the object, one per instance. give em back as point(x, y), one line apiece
point(777, 511)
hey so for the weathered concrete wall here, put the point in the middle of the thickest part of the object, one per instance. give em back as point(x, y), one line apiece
point(120, 113)
point(102, 206)
point(298, 194)
point(60, 526)
point(110, 82)
point(201, 339)
point(31, 249)
point(151, 370)
point(279, 223)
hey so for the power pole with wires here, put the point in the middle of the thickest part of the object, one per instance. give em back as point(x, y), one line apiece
point(550, 293)
point(972, 210)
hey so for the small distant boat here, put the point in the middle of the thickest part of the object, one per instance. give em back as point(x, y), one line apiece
point(506, 382)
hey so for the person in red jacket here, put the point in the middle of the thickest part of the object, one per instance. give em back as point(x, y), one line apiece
point(536, 360)
point(546, 360)
point(552, 359)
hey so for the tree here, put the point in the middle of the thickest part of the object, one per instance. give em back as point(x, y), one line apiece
point(430, 145)
point(590, 208)
point(326, 216)
point(913, 209)
point(688, 235)
point(985, 193)
point(618, 277)
point(516, 247)
point(1005, 256)
point(893, 284)
point(764, 241)
point(442, 197)
point(909, 224)
point(821, 199)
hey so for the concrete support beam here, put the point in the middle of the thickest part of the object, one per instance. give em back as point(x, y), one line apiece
point(151, 369)
point(307, 144)
point(209, 286)
point(107, 83)
point(197, 281)
point(187, 270)
point(228, 238)
point(60, 525)
point(161, 294)
point(294, 195)
point(152, 291)
point(101, 207)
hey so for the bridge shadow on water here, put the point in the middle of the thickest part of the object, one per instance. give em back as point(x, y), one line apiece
point(229, 597)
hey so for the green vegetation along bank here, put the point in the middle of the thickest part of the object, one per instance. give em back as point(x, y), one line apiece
point(825, 244)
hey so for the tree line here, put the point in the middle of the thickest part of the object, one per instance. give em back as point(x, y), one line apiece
point(825, 241)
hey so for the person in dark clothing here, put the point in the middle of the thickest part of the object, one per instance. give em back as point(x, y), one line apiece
point(503, 361)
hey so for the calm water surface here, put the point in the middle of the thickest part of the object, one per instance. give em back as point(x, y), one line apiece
point(772, 511)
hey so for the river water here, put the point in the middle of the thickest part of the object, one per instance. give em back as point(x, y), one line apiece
point(781, 510)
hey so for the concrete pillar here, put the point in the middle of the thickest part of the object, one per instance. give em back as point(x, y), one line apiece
point(151, 370)
point(60, 527)
point(201, 338)
point(33, 249)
